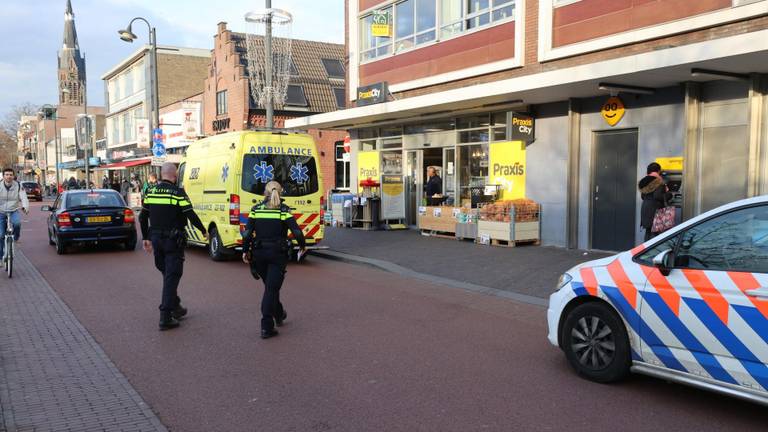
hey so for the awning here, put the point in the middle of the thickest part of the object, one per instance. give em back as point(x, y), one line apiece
point(124, 164)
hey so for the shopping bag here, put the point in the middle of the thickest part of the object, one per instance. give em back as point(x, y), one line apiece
point(663, 220)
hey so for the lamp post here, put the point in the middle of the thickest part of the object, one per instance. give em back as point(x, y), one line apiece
point(127, 35)
point(48, 111)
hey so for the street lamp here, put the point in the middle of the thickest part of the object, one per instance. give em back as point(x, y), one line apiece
point(127, 35)
point(47, 111)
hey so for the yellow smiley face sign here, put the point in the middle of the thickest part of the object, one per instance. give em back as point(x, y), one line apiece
point(613, 110)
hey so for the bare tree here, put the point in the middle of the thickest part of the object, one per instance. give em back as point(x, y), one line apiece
point(8, 150)
point(10, 121)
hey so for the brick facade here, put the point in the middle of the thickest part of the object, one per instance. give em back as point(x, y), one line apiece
point(179, 76)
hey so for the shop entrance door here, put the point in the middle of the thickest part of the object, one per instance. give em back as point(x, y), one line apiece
point(614, 190)
point(413, 186)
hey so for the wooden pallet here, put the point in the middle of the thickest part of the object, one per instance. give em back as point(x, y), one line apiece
point(514, 243)
point(439, 234)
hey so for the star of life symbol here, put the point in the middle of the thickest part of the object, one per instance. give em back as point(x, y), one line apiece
point(263, 172)
point(224, 173)
point(299, 173)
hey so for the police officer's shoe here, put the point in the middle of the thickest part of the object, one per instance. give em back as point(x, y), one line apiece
point(167, 321)
point(266, 334)
point(180, 312)
point(279, 320)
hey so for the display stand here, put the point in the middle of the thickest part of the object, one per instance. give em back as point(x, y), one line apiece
point(371, 207)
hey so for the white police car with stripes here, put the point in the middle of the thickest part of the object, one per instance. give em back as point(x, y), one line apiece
point(690, 305)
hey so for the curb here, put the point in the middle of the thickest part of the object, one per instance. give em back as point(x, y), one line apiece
point(394, 268)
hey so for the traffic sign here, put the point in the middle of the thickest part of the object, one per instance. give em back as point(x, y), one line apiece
point(158, 150)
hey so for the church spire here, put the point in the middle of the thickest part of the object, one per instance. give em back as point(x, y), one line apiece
point(71, 63)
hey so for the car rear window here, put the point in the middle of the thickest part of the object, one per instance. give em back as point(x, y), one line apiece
point(94, 199)
point(297, 174)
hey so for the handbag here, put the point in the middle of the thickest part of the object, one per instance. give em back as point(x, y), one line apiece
point(663, 220)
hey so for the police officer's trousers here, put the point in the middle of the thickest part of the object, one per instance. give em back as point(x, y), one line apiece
point(269, 264)
point(169, 259)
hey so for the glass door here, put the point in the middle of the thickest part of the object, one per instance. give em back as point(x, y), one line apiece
point(449, 176)
point(413, 182)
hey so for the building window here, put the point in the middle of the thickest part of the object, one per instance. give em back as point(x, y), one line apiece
point(333, 68)
point(414, 23)
point(221, 102)
point(341, 97)
point(295, 96)
point(371, 46)
point(342, 166)
point(292, 69)
point(128, 131)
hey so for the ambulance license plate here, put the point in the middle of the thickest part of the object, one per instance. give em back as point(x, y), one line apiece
point(98, 219)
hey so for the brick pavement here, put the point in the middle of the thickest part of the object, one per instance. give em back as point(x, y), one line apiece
point(53, 374)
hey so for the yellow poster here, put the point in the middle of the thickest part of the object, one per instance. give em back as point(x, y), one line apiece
point(507, 168)
point(367, 166)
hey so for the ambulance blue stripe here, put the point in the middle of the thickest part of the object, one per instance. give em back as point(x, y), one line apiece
point(751, 363)
point(703, 356)
point(754, 318)
point(641, 328)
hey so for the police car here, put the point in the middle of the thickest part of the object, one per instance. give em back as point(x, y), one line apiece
point(690, 306)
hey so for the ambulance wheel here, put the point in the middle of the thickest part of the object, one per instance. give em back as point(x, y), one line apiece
point(595, 343)
point(216, 250)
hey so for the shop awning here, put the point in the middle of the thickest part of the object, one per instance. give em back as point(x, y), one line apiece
point(124, 164)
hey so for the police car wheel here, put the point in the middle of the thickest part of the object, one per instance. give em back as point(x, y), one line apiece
point(61, 247)
point(595, 343)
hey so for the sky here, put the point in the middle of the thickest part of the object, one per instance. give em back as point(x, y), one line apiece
point(31, 34)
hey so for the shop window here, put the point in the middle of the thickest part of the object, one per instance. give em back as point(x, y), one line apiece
point(392, 143)
point(473, 122)
point(333, 68)
point(392, 131)
point(367, 145)
point(499, 133)
point(295, 96)
point(437, 126)
point(368, 133)
point(473, 169)
point(342, 166)
point(392, 162)
point(341, 97)
point(371, 46)
point(221, 102)
point(473, 136)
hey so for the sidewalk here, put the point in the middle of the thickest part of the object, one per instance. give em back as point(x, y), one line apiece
point(525, 270)
point(53, 374)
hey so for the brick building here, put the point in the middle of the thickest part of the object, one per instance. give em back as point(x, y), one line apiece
point(180, 71)
point(689, 78)
point(317, 85)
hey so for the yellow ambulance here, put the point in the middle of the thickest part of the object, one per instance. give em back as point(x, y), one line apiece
point(225, 175)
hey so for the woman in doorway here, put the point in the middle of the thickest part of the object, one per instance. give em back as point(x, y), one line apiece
point(433, 187)
point(654, 194)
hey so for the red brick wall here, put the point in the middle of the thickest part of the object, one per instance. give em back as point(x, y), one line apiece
point(225, 73)
point(486, 46)
point(590, 19)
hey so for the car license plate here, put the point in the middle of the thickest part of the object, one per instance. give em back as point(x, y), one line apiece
point(97, 219)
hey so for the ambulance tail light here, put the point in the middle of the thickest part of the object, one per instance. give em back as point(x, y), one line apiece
point(322, 209)
point(63, 220)
point(128, 216)
point(234, 209)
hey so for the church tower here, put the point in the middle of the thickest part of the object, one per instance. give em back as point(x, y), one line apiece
point(71, 64)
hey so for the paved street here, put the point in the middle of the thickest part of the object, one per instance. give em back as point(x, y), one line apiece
point(362, 350)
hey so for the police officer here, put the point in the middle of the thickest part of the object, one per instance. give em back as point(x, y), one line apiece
point(166, 210)
point(266, 241)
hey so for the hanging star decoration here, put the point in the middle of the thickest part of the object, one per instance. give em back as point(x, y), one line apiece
point(263, 172)
point(224, 173)
point(299, 173)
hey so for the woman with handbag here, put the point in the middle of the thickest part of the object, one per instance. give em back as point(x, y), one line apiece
point(654, 193)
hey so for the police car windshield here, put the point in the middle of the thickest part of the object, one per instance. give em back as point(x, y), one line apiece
point(297, 174)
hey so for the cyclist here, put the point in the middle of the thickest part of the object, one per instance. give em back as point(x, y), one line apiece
point(12, 198)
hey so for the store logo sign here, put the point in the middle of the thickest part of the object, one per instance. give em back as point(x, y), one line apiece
point(523, 127)
point(613, 110)
point(372, 94)
point(221, 124)
point(381, 26)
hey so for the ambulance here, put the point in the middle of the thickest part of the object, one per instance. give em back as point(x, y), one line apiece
point(225, 175)
point(690, 306)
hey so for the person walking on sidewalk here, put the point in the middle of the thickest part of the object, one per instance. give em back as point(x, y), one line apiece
point(12, 198)
point(654, 194)
point(265, 246)
point(163, 217)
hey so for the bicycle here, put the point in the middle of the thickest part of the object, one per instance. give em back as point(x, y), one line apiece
point(8, 250)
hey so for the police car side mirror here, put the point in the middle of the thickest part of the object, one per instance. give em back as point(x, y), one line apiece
point(663, 262)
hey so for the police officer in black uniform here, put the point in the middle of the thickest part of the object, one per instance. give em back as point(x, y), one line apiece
point(163, 218)
point(266, 247)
